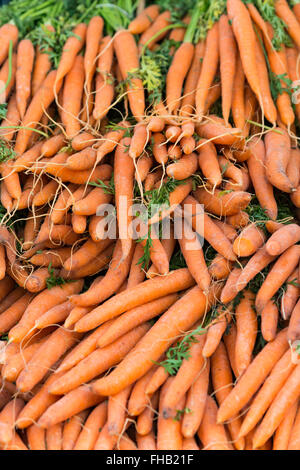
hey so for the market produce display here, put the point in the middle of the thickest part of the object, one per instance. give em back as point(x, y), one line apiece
point(149, 225)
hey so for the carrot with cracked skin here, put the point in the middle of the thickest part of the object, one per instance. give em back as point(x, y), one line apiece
point(281, 270)
point(194, 304)
point(98, 361)
point(267, 393)
point(186, 376)
point(208, 69)
point(212, 434)
point(90, 431)
point(263, 187)
point(246, 325)
point(134, 317)
point(39, 305)
point(253, 377)
point(145, 292)
point(127, 55)
point(223, 383)
point(285, 398)
point(113, 279)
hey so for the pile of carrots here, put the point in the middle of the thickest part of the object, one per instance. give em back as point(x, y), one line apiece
point(123, 343)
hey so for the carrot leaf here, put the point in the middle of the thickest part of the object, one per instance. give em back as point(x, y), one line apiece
point(53, 279)
point(267, 11)
point(179, 413)
point(6, 153)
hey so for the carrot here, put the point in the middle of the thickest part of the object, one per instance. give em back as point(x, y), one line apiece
point(228, 52)
point(263, 188)
point(8, 417)
point(45, 357)
point(293, 328)
point(16, 363)
point(155, 32)
point(139, 140)
point(283, 432)
point(158, 378)
point(88, 205)
point(116, 412)
point(253, 377)
point(281, 270)
point(246, 323)
point(223, 204)
point(72, 429)
point(277, 157)
point(98, 361)
point(124, 193)
point(145, 292)
point(290, 296)
point(127, 56)
point(25, 58)
point(125, 443)
point(111, 282)
point(293, 70)
point(89, 433)
point(273, 384)
point(158, 339)
point(215, 331)
point(6, 286)
point(186, 376)
point(249, 240)
point(42, 65)
point(222, 383)
point(191, 249)
point(143, 166)
point(41, 101)
point(138, 399)
point(93, 37)
point(208, 69)
point(285, 398)
point(54, 437)
point(11, 298)
point(105, 441)
point(168, 429)
point(8, 32)
point(92, 267)
point(269, 320)
point(211, 434)
point(144, 423)
point(294, 436)
point(7, 78)
point(16, 443)
point(282, 239)
point(208, 162)
point(146, 442)
point(227, 229)
point(72, 96)
point(56, 314)
point(36, 437)
point(134, 317)
point(71, 48)
point(269, 108)
point(245, 37)
point(144, 19)
point(56, 258)
point(220, 267)
point(290, 20)
point(12, 118)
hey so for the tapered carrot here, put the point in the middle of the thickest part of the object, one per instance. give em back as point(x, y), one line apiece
point(189, 91)
point(71, 48)
point(159, 377)
point(278, 376)
point(156, 31)
point(93, 36)
point(285, 398)
point(15, 364)
point(246, 323)
point(294, 436)
point(8, 32)
point(8, 417)
point(186, 376)
point(90, 431)
point(158, 339)
point(42, 64)
point(116, 412)
point(208, 69)
point(56, 258)
point(263, 188)
point(41, 101)
point(56, 314)
point(139, 400)
point(92, 267)
point(222, 382)
point(283, 432)
point(220, 267)
point(290, 296)
point(228, 52)
point(127, 56)
point(277, 157)
point(11, 298)
point(253, 377)
point(72, 96)
point(144, 19)
point(281, 270)
point(139, 140)
point(7, 78)
point(245, 37)
point(39, 305)
point(269, 321)
point(208, 162)
point(168, 429)
point(143, 166)
point(104, 440)
point(282, 239)
point(223, 204)
point(36, 437)
point(25, 58)
point(211, 434)
point(135, 317)
point(54, 437)
point(144, 423)
point(138, 295)
point(12, 118)
point(55, 346)
point(290, 20)
point(72, 429)
point(98, 361)
point(215, 331)
point(146, 441)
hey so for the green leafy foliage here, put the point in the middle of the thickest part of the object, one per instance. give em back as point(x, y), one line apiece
point(180, 413)
point(107, 188)
point(180, 351)
point(177, 261)
point(53, 279)
point(6, 152)
point(267, 11)
point(178, 8)
point(3, 111)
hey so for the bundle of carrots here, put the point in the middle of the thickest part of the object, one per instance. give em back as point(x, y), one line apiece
point(187, 341)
